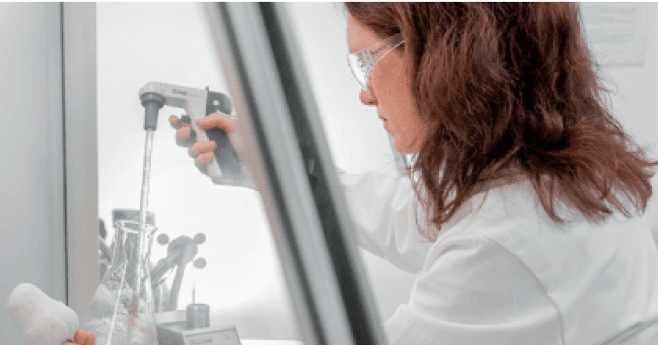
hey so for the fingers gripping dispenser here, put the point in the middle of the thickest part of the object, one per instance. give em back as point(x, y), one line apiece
point(225, 168)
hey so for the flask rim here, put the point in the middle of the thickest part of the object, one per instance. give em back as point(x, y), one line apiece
point(135, 227)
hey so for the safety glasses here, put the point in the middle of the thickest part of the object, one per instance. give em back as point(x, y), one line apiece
point(362, 62)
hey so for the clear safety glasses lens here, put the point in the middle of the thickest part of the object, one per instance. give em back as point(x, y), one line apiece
point(359, 68)
point(363, 61)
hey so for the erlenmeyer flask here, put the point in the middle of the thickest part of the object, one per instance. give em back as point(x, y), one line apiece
point(122, 309)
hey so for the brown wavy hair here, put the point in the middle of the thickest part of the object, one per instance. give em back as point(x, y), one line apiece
point(510, 87)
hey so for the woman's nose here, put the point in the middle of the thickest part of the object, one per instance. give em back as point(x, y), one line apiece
point(367, 98)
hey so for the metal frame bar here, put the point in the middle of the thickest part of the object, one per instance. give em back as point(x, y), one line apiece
point(56, 154)
point(81, 152)
point(286, 148)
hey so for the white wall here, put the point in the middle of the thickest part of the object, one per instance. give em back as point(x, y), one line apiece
point(31, 152)
point(634, 93)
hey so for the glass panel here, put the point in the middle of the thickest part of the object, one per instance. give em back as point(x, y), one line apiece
point(242, 280)
point(304, 199)
point(357, 139)
point(356, 136)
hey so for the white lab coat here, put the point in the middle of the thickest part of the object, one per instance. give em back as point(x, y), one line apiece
point(506, 273)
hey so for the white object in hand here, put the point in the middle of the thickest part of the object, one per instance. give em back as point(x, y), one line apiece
point(41, 319)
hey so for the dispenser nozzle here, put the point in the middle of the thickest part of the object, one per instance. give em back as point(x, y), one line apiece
point(152, 103)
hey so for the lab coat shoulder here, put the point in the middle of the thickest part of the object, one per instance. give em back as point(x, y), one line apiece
point(502, 272)
point(602, 276)
point(383, 209)
point(474, 291)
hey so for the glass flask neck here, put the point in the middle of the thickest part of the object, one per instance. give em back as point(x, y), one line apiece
point(132, 243)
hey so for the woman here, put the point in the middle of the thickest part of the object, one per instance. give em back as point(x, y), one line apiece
point(528, 226)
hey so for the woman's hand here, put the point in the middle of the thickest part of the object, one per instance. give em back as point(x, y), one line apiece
point(202, 151)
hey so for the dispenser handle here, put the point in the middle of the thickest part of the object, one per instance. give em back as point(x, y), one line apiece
point(225, 155)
